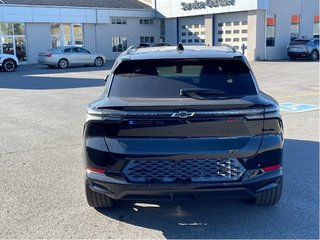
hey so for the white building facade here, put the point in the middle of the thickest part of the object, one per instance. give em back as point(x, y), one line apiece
point(260, 28)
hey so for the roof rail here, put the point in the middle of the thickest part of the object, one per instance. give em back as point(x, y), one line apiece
point(229, 46)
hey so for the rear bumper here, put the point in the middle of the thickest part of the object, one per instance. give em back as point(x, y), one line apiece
point(120, 189)
point(47, 61)
point(299, 54)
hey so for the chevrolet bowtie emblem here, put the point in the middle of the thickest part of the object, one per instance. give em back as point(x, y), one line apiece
point(183, 114)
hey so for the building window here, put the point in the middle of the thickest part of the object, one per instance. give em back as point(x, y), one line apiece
point(220, 39)
point(244, 23)
point(236, 31)
point(202, 40)
point(162, 30)
point(220, 32)
point(66, 34)
point(147, 21)
point(183, 27)
point(183, 34)
point(190, 33)
point(119, 44)
point(203, 33)
point(119, 21)
point(236, 40)
point(196, 40)
point(316, 26)
point(13, 40)
point(244, 31)
point(236, 23)
point(228, 31)
point(189, 40)
point(183, 41)
point(147, 39)
point(196, 33)
point(228, 40)
point(295, 27)
point(78, 35)
point(228, 23)
point(244, 39)
point(271, 31)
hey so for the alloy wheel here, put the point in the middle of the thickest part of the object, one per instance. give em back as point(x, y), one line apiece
point(9, 65)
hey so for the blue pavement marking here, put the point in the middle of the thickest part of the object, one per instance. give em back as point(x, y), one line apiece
point(297, 107)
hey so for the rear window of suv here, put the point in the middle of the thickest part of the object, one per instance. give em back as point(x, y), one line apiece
point(168, 78)
point(300, 42)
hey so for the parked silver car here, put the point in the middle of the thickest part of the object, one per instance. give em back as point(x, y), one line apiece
point(64, 57)
point(304, 48)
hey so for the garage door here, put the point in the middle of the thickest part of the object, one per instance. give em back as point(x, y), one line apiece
point(192, 31)
point(234, 33)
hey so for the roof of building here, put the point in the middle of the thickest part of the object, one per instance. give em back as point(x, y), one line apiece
point(171, 52)
point(127, 4)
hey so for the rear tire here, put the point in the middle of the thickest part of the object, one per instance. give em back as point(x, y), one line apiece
point(98, 62)
point(269, 197)
point(98, 200)
point(314, 55)
point(9, 65)
point(63, 63)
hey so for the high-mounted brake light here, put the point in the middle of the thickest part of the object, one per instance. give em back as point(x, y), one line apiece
point(270, 168)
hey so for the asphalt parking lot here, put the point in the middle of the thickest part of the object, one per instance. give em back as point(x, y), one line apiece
point(42, 192)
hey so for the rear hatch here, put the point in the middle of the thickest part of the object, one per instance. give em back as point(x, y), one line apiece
point(196, 108)
point(172, 118)
point(298, 45)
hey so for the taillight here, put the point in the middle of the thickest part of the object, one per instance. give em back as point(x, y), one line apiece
point(270, 168)
point(96, 170)
point(48, 55)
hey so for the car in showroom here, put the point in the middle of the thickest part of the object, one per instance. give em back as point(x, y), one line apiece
point(8, 62)
point(68, 56)
point(182, 123)
point(306, 48)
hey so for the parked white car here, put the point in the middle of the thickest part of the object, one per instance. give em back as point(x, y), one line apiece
point(8, 62)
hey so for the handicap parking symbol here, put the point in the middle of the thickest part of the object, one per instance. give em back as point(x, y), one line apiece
point(297, 107)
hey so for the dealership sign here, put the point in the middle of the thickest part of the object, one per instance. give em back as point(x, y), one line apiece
point(208, 3)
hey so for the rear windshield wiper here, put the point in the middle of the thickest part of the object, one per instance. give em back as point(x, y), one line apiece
point(200, 93)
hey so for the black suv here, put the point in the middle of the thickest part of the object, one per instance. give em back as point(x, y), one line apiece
point(177, 122)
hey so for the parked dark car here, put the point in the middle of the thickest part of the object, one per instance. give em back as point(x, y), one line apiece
point(308, 48)
point(181, 122)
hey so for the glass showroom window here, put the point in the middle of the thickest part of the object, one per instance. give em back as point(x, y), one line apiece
point(66, 34)
point(271, 31)
point(13, 40)
point(316, 26)
point(119, 44)
point(295, 27)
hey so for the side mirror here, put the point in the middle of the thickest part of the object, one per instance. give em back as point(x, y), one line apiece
point(106, 78)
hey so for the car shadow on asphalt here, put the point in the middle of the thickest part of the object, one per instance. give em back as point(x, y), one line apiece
point(295, 216)
point(37, 77)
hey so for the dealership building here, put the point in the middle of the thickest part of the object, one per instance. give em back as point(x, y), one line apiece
point(260, 28)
